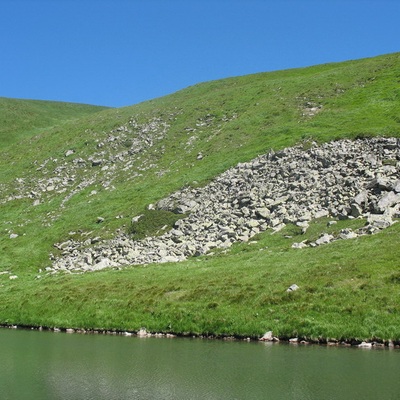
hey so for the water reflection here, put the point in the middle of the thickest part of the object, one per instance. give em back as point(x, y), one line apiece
point(44, 365)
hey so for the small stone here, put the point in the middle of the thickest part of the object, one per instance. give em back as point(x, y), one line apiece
point(300, 245)
point(292, 288)
point(13, 236)
point(321, 213)
point(347, 234)
point(365, 345)
point(324, 239)
point(142, 333)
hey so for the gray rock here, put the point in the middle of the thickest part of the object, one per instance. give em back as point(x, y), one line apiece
point(324, 239)
point(361, 198)
point(355, 210)
point(104, 263)
point(345, 179)
point(267, 337)
point(292, 288)
point(263, 212)
point(380, 183)
point(300, 245)
point(96, 162)
point(388, 200)
point(380, 221)
point(321, 214)
point(347, 234)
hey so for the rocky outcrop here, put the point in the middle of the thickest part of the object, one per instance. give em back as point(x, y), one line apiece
point(342, 179)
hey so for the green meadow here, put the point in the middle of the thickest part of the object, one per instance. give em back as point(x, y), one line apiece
point(348, 289)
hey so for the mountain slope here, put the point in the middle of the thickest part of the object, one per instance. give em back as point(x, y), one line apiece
point(23, 117)
point(112, 164)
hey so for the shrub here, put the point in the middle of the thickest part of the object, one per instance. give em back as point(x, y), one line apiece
point(153, 223)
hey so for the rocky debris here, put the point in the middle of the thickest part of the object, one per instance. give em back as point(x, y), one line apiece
point(342, 179)
point(113, 153)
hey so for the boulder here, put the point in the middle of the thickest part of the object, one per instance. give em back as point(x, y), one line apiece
point(104, 263)
point(324, 239)
point(267, 337)
point(388, 200)
point(347, 234)
point(379, 221)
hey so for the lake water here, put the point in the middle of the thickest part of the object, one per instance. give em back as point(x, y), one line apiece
point(46, 365)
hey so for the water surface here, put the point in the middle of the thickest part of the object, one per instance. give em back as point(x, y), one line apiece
point(46, 365)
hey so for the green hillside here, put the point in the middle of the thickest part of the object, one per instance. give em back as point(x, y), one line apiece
point(21, 118)
point(64, 166)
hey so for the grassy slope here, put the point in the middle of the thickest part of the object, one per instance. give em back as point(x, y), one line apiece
point(354, 291)
point(21, 118)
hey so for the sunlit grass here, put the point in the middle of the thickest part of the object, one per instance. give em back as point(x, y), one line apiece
point(347, 289)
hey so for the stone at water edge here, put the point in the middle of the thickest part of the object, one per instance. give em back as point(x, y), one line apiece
point(142, 333)
point(365, 345)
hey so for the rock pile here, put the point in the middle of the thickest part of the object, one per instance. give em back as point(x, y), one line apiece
point(341, 179)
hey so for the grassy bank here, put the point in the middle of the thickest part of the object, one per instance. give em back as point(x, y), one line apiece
point(348, 289)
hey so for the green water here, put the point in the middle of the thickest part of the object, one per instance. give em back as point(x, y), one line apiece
point(45, 365)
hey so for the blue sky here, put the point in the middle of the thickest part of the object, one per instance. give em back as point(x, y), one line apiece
point(122, 52)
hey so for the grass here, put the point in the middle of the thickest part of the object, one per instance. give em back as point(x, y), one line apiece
point(19, 118)
point(347, 289)
point(153, 223)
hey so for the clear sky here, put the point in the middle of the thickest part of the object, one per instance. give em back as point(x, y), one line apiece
point(121, 52)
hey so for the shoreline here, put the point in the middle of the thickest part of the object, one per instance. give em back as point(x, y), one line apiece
point(143, 333)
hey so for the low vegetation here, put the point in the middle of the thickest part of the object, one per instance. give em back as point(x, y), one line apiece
point(348, 289)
